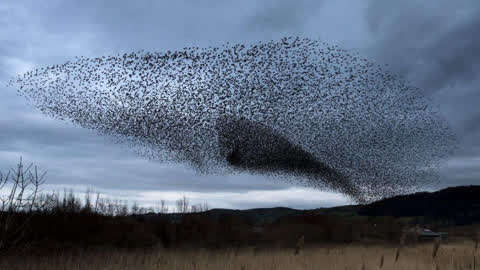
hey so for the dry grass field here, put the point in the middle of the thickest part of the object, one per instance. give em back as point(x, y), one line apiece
point(458, 255)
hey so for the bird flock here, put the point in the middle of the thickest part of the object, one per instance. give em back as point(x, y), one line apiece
point(296, 109)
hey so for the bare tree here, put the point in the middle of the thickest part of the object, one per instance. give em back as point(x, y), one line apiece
point(97, 201)
point(87, 208)
point(162, 207)
point(101, 205)
point(205, 207)
point(199, 208)
point(46, 203)
point(71, 204)
point(135, 209)
point(20, 188)
point(196, 208)
point(110, 207)
point(122, 209)
point(183, 205)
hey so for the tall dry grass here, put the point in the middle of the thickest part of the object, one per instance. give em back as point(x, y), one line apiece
point(475, 249)
point(450, 256)
point(477, 239)
point(300, 244)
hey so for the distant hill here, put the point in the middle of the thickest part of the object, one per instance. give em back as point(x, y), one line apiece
point(454, 205)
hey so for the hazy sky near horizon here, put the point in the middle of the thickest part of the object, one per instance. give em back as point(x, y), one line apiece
point(431, 43)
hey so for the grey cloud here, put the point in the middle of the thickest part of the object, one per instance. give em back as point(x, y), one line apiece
point(275, 16)
point(425, 41)
point(154, 25)
point(151, 25)
point(80, 157)
point(434, 45)
point(462, 170)
point(40, 34)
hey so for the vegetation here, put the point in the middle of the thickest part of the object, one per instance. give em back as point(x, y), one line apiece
point(353, 256)
point(113, 234)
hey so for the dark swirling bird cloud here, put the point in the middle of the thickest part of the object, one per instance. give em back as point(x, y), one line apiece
point(294, 108)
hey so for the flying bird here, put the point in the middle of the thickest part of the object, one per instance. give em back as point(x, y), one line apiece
point(296, 109)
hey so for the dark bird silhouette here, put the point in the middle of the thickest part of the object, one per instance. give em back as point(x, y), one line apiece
point(296, 109)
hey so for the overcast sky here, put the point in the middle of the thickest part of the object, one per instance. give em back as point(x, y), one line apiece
point(434, 44)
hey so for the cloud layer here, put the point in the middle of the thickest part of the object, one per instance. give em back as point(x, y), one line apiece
point(293, 107)
point(399, 34)
point(435, 46)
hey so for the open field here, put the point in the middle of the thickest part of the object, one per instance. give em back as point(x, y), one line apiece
point(458, 255)
point(54, 231)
